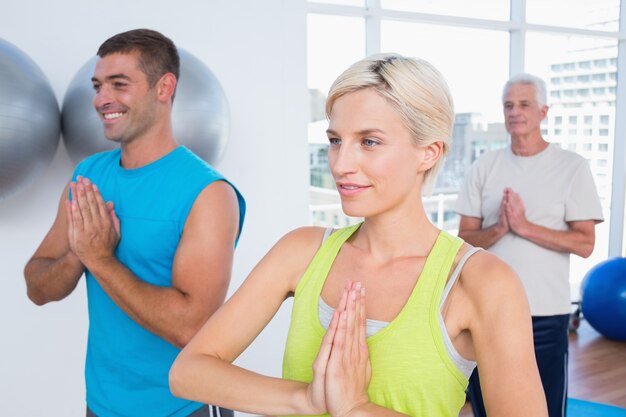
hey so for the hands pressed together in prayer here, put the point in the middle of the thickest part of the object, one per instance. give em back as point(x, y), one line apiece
point(342, 370)
point(93, 226)
point(512, 215)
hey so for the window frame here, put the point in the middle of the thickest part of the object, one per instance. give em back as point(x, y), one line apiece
point(517, 27)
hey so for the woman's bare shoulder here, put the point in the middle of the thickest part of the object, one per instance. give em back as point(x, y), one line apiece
point(306, 238)
point(485, 277)
point(295, 250)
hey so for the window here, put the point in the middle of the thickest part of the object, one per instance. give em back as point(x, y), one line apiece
point(604, 119)
point(477, 103)
point(587, 147)
point(448, 33)
point(343, 2)
point(572, 120)
point(578, 14)
point(484, 9)
point(600, 63)
point(334, 43)
point(487, 66)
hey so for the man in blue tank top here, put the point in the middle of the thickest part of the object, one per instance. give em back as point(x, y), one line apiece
point(152, 226)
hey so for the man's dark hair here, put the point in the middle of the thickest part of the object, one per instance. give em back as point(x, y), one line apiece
point(157, 53)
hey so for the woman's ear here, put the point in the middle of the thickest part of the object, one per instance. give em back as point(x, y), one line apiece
point(432, 153)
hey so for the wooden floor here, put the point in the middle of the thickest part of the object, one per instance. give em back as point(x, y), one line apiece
point(597, 369)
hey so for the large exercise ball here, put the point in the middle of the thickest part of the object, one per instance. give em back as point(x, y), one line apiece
point(29, 120)
point(200, 116)
point(83, 134)
point(604, 298)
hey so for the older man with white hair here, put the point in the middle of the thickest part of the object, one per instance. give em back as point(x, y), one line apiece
point(533, 204)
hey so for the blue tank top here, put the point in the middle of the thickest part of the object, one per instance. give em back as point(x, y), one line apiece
point(127, 366)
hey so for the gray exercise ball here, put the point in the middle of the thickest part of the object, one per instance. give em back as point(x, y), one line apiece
point(200, 116)
point(29, 120)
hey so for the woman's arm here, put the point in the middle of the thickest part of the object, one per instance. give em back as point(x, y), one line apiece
point(501, 331)
point(204, 371)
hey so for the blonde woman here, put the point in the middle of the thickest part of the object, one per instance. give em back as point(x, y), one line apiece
point(390, 316)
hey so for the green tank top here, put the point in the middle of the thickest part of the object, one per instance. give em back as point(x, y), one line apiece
point(412, 372)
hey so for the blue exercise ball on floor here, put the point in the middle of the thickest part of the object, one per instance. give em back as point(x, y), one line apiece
point(200, 115)
point(30, 123)
point(604, 298)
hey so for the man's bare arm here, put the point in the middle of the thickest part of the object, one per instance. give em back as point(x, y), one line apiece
point(201, 270)
point(579, 238)
point(470, 230)
point(54, 270)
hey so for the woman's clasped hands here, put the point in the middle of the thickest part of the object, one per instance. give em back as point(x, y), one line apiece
point(342, 370)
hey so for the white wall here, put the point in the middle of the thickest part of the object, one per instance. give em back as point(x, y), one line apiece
point(257, 50)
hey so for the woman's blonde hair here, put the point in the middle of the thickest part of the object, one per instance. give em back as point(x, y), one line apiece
point(414, 87)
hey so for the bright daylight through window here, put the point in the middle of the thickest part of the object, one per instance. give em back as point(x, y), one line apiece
point(571, 44)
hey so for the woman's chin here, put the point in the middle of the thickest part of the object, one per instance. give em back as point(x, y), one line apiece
point(353, 212)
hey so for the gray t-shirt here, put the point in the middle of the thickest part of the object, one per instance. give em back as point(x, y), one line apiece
point(557, 187)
